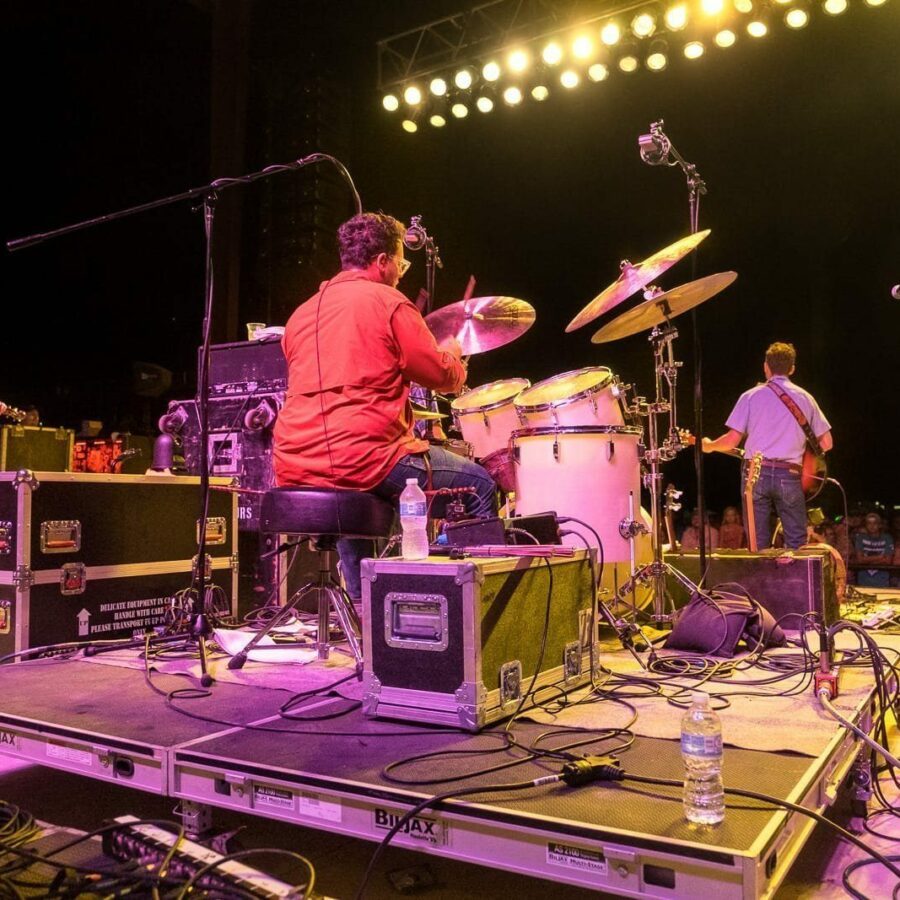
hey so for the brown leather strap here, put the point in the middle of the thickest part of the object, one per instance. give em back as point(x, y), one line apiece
point(797, 413)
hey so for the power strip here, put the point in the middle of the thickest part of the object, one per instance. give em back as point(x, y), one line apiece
point(149, 845)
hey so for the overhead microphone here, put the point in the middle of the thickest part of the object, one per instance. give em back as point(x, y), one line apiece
point(416, 236)
point(655, 147)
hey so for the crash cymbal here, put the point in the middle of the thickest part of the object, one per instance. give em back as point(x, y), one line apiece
point(634, 277)
point(481, 323)
point(421, 414)
point(662, 306)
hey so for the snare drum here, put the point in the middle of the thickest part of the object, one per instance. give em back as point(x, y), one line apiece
point(581, 397)
point(590, 473)
point(486, 416)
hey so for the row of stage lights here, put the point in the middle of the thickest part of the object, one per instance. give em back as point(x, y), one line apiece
point(470, 87)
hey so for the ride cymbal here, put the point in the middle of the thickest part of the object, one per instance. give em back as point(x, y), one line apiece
point(635, 277)
point(481, 323)
point(662, 306)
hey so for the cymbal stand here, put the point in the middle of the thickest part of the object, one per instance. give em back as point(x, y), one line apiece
point(654, 455)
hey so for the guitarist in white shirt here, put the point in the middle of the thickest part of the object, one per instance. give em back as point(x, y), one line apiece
point(778, 420)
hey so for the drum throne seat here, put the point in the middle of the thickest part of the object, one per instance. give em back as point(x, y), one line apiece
point(323, 516)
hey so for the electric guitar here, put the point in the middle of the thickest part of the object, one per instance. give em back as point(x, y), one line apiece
point(10, 412)
point(753, 470)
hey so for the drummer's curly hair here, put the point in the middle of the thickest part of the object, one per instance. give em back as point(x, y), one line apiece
point(780, 358)
point(364, 236)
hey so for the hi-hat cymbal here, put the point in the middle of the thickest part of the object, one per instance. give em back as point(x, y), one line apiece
point(635, 277)
point(421, 414)
point(481, 323)
point(666, 305)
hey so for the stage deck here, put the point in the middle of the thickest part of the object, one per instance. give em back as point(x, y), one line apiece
point(231, 749)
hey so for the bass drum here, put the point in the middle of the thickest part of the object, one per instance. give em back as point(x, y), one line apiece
point(592, 474)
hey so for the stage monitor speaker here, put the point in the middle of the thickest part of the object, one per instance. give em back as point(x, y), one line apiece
point(788, 585)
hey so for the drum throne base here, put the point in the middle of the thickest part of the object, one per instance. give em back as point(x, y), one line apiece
point(322, 515)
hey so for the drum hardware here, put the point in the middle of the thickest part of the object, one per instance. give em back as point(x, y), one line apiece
point(656, 312)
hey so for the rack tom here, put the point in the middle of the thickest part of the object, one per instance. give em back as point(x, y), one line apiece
point(581, 397)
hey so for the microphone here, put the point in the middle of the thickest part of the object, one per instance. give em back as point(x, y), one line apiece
point(262, 416)
point(416, 236)
point(174, 420)
point(655, 147)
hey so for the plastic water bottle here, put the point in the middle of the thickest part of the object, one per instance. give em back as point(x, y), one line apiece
point(414, 521)
point(701, 750)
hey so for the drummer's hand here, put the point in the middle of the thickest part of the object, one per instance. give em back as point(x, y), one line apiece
point(452, 346)
point(707, 445)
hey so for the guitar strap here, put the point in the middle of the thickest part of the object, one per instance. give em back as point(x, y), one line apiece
point(797, 413)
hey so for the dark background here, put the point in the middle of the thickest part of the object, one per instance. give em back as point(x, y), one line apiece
point(111, 104)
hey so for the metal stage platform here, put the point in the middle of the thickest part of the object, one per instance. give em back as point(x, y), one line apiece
point(233, 750)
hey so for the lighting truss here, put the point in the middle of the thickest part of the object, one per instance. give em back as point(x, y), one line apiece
point(440, 71)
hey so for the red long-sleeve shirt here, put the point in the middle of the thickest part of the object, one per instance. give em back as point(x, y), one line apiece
point(352, 350)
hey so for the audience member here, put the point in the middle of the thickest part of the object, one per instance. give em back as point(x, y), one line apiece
point(690, 539)
point(731, 533)
point(875, 548)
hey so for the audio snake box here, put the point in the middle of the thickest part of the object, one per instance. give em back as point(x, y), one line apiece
point(468, 642)
point(789, 584)
point(87, 557)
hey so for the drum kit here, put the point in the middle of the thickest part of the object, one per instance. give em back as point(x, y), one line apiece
point(576, 443)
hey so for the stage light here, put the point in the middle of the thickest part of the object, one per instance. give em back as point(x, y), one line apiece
point(491, 71)
point(438, 87)
point(676, 17)
point(598, 72)
point(757, 28)
point(658, 58)
point(512, 96)
point(484, 104)
point(712, 7)
point(390, 102)
point(552, 54)
point(694, 49)
point(540, 92)
point(569, 79)
point(582, 47)
point(834, 7)
point(744, 6)
point(517, 61)
point(643, 24)
point(438, 120)
point(412, 95)
point(410, 126)
point(628, 61)
point(875, 2)
point(725, 38)
point(796, 18)
point(463, 79)
point(460, 110)
point(610, 34)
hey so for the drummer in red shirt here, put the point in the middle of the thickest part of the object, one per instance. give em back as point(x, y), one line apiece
point(352, 350)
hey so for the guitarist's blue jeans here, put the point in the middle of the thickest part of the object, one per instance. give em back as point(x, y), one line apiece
point(778, 491)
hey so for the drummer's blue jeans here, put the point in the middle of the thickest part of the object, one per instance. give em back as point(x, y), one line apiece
point(779, 490)
point(447, 470)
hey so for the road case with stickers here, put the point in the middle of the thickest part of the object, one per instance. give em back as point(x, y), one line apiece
point(459, 642)
point(88, 556)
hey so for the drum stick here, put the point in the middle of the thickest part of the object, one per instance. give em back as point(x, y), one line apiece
point(470, 288)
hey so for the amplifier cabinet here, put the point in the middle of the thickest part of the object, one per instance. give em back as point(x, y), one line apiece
point(459, 642)
point(86, 556)
point(798, 582)
point(31, 447)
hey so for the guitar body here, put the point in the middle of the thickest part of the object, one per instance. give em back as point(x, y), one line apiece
point(753, 469)
point(813, 473)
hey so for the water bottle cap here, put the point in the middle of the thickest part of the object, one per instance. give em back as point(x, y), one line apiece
point(412, 481)
point(699, 698)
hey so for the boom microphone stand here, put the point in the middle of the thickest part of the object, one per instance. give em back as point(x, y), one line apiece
point(201, 579)
point(655, 149)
